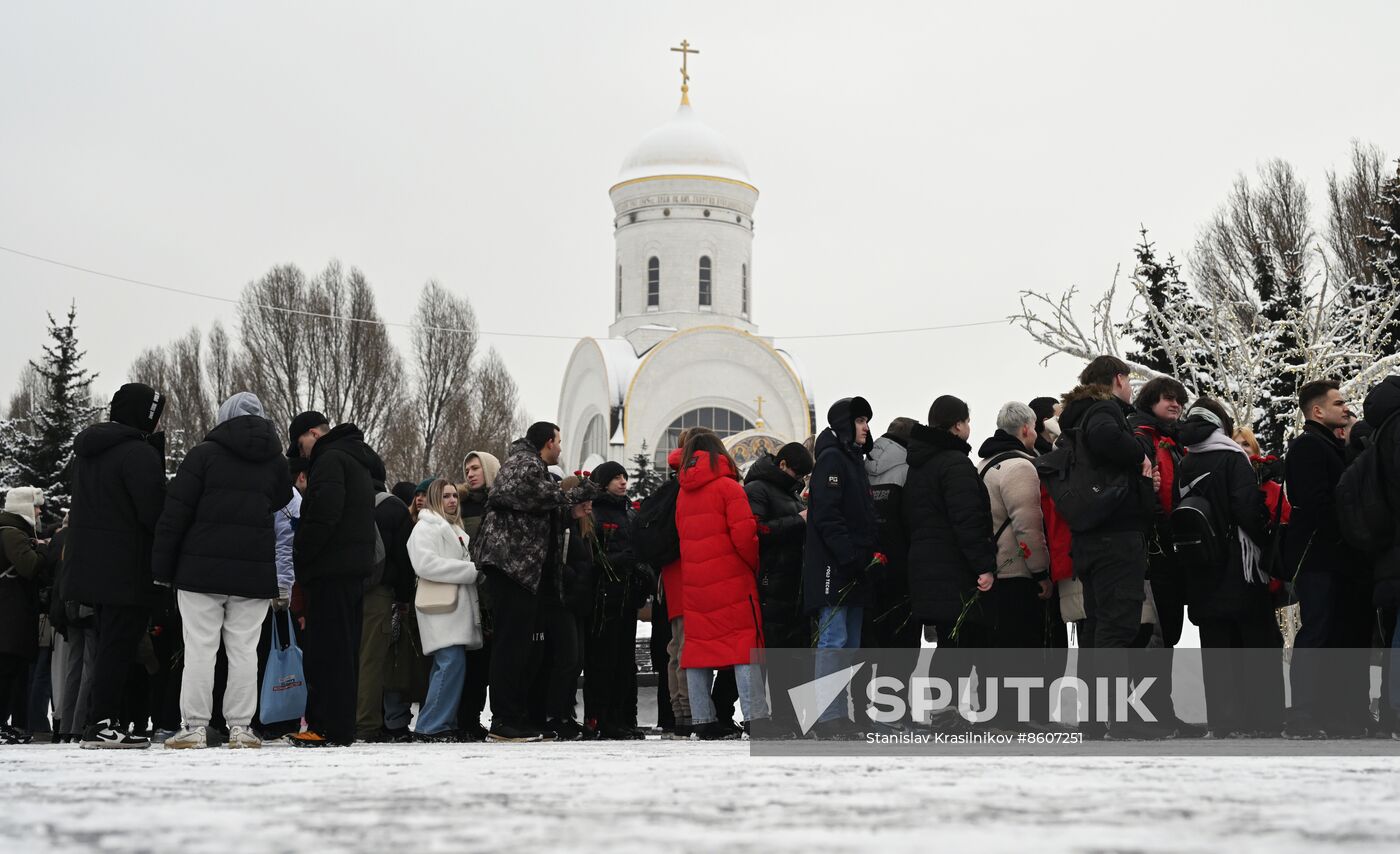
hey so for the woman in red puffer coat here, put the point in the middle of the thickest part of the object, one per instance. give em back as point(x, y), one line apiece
point(719, 560)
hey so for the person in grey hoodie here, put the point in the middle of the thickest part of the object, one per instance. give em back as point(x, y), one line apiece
point(888, 625)
point(215, 544)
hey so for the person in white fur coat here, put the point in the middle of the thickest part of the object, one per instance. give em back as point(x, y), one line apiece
point(449, 621)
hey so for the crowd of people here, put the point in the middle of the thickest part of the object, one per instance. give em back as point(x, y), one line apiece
point(150, 609)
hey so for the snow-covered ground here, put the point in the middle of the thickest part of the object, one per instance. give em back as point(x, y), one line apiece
point(657, 795)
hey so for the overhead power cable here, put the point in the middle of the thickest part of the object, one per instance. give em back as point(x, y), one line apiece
point(322, 315)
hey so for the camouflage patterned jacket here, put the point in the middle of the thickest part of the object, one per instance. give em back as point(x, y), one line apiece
point(525, 509)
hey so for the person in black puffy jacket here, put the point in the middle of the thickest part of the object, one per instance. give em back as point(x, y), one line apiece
point(843, 537)
point(949, 519)
point(774, 487)
point(215, 544)
point(620, 588)
point(1230, 603)
point(334, 552)
point(118, 495)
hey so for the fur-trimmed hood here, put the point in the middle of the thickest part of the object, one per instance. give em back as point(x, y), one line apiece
point(1080, 399)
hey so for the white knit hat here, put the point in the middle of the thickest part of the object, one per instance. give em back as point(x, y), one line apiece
point(22, 500)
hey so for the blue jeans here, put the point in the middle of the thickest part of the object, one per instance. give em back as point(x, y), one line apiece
point(439, 711)
point(752, 699)
point(838, 628)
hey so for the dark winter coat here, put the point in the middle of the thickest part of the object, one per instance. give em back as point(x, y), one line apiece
point(335, 537)
point(719, 557)
point(526, 514)
point(949, 519)
point(842, 532)
point(1102, 421)
point(473, 505)
point(622, 584)
point(118, 496)
point(1313, 541)
point(1159, 441)
point(1238, 504)
point(775, 498)
point(1381, 403)
point(395, 524)
point(23, 570)
point(216, 533)
point(578, 579)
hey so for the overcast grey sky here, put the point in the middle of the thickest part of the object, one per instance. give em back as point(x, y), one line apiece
point(918, 163)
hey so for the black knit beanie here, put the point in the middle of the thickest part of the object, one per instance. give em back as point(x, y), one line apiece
point(604, 473)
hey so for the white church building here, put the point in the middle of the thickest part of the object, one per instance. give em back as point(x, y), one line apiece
point(683, 349)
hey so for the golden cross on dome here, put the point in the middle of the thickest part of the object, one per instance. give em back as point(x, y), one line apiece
point(760, 401)
point(685, 52)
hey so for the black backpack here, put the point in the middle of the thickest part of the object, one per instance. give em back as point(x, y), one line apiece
point(1084, 493)
point(1364, 510)
point(1195, 534)
point(655, 540)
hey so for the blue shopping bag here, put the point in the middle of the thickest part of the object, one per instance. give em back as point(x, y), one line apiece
point(284, 683)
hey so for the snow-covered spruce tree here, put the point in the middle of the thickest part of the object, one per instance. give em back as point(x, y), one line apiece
point(66, 409)
point(1257, 321)
point(17, 450)
point(645, 478)
point(1382, 248)
point(1165, 300)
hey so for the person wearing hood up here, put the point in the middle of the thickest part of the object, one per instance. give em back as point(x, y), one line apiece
point(23, 564)
point(1230, 602)
point(842, 541)
point(215, 544)
point(335, 552)
point(889, 623)
point(118, 495)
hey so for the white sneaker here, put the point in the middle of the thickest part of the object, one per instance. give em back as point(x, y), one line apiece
point(242, 736)
point(188, 738)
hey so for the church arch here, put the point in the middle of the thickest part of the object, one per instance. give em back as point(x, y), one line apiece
point(725, 422)
point(595, 441)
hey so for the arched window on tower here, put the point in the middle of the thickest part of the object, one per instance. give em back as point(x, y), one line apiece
point(744, 290)
point(704, 281)
point(653, 282)
point(619, 289)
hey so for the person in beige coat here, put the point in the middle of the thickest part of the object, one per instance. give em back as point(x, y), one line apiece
point(1018, 600)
